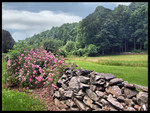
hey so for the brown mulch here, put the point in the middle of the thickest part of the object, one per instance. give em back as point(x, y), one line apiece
point(47, 98)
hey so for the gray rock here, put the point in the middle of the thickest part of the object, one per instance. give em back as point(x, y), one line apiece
point(108, 76)
point(142, 98)
point(84, 86)
point(69, 102)
point(81, 105)
point(143, 88)
point(115, 90)
point(100, 94)
point(130, 86)
point(84, 79)
point(92, 87)
point(130, 109)
point(74, 109)
point(74, 84)
point(57, 94)
point(61, 91)
point(99, 82)
point(79, 95)
point(92, 95)
point(104, 102)
point(60, 104)
point(115, 81)
point(130, 93)
point(88, 101)
point(129, 102)
point(99, 76)
point(114, 102)
point(120, 99)
point(68, 94)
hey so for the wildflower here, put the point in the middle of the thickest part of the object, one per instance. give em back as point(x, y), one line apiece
point(22, 55)
point(60, 62)
point(25, 58)
point(59, 50)
point(30, 79)
point(57, 72)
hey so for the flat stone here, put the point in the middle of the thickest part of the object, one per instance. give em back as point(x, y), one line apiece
point(57, 94)
point(115, 90)
point(143, 88)
point(108, 76)
point(88, 101)
point(120, 99)
point(69, 102)
point(130, 86)
point(81, 105)
point(104, 102)
point(92, 87)
point(68, 94)
point(114, 102)
point(130, 93)
point(115, 81)
point(92, 95)
point(99, 76)
point(99, 82)
point(142, 98)
point(100, 94)
point(84, 79)
point(84, 86)
point(74, 84)
point(129, 102)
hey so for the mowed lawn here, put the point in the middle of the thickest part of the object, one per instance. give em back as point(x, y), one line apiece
point(137, 73)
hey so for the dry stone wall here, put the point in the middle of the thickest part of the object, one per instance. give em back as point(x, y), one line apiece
point(84, 90)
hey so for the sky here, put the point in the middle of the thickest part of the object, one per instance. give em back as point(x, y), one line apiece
point(24, 19)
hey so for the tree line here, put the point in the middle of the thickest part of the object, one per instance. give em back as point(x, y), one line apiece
point(104, 31)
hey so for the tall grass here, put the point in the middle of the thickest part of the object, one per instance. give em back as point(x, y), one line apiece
point(117, 60)
point(131, 68)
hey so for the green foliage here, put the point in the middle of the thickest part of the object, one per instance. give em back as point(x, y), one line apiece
point(92, 50)
point(70, 46)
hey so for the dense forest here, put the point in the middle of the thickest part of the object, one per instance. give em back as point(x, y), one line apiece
point(105, 31)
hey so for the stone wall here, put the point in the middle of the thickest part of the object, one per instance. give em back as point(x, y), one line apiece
point(84, 90)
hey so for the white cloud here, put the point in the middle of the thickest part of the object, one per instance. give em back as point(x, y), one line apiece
point(27, 23)
point(122, 3)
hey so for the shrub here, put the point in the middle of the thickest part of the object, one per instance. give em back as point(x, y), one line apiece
point(92, 50)
point(35, 68)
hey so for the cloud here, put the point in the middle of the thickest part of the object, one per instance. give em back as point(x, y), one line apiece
point(26, 23)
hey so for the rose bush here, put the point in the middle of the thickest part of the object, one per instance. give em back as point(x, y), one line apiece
point(35, 68)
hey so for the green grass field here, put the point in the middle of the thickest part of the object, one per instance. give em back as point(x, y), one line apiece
point(137, 73)
point(18, 101)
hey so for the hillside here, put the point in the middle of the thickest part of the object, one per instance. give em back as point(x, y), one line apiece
point(104, 31)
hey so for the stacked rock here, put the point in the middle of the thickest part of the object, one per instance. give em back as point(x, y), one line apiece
point(84, 90)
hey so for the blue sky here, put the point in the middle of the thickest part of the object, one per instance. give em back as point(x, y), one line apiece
point(24, 19)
